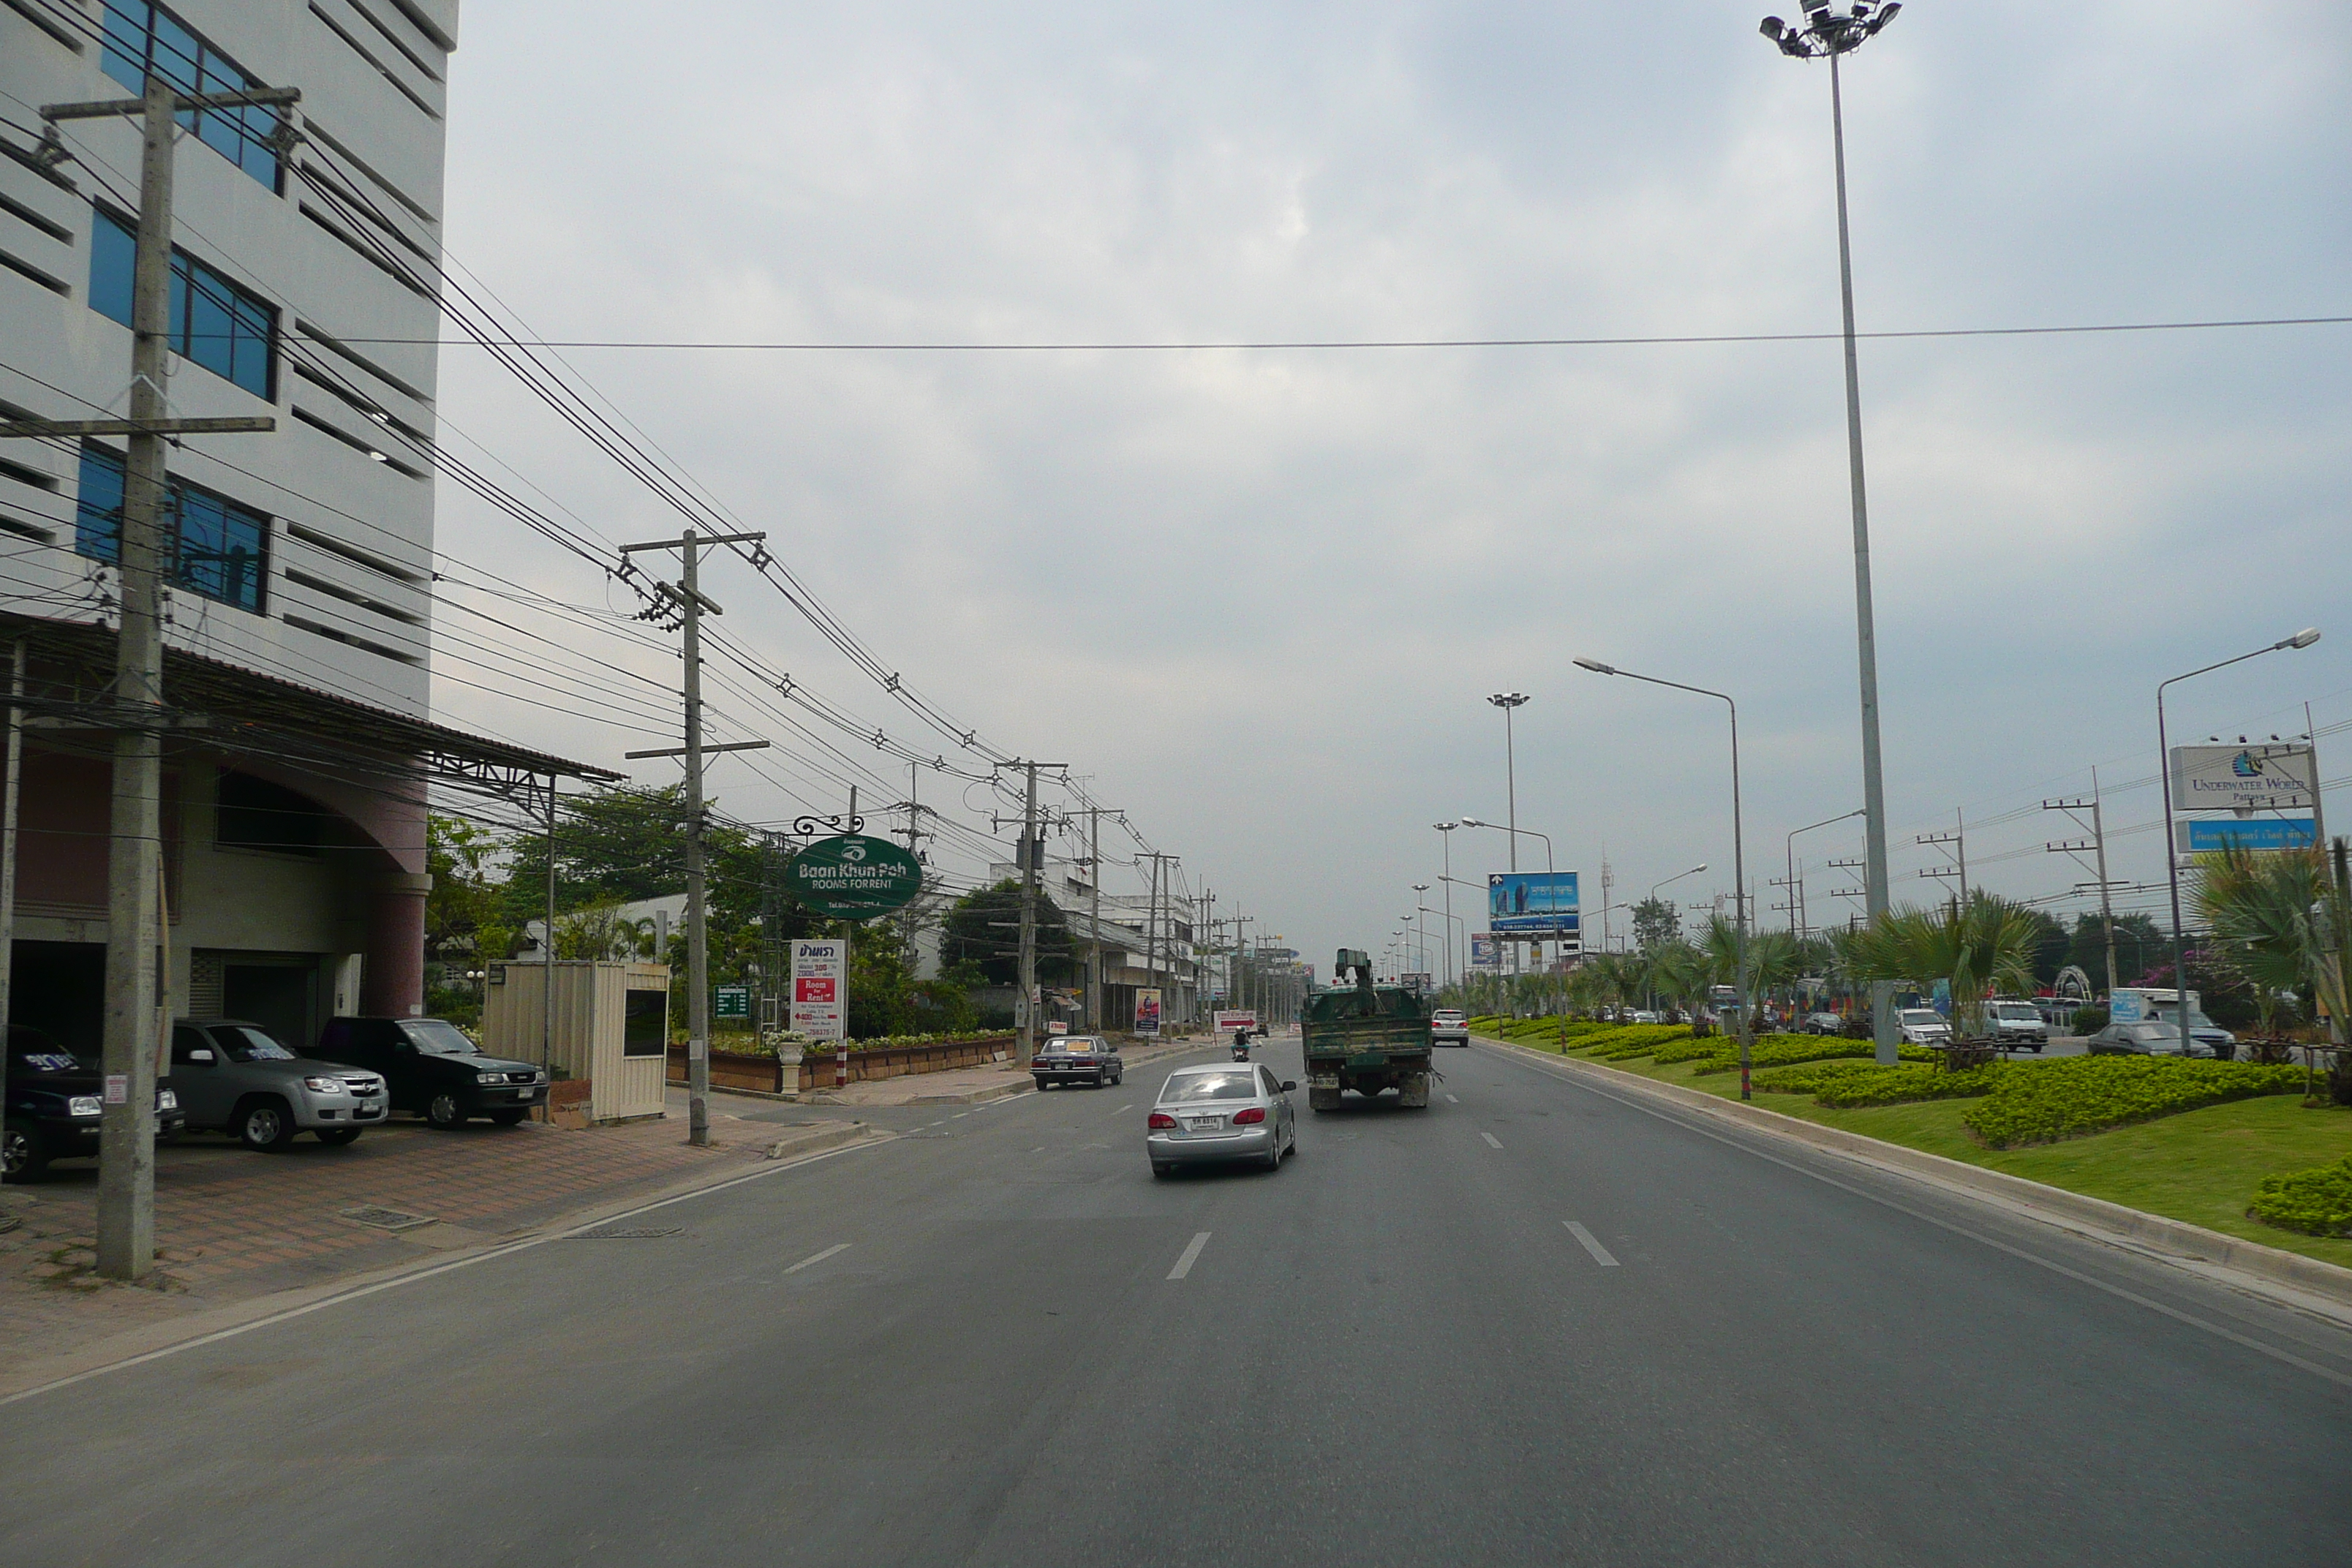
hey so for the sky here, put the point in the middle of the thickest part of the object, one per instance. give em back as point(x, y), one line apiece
point(1258, 597)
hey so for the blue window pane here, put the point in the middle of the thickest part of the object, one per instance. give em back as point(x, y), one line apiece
point(256, 328)
point(209, 340)
point(124, 56)
point(113, 257)
point(98, 511)
point(174, 54)
point(179, 327)
point(220, 549)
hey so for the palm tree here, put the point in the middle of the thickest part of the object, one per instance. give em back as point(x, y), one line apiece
point(2270, 914)
point(1981, 946)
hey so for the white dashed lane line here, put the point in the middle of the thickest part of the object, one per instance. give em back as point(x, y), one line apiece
point(1129, 1106)
point(816, 1257)
point(1192, 1255)
point(1492, 1142)
point(1592, 1244)
point(1453, 1099)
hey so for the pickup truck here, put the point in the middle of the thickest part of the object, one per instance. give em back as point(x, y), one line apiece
point(2016, 1026)
point(1366, 1037)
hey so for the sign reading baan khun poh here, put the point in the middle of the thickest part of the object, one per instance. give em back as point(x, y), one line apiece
point(854, 877)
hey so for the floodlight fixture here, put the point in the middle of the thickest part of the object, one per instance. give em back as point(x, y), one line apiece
point(1596, 667)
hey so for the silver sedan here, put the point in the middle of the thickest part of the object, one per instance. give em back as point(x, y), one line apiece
point(1232, 1112)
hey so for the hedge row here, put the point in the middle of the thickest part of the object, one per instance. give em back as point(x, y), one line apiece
point(1848, 1084)
point(2041, 1102)
point(1785, 1050)
point(1624, 1041)
point(2315, 1202)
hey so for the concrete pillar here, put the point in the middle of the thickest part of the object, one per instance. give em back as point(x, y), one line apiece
point(392, 984)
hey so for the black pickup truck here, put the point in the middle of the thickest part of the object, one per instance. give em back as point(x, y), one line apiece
point(54, 1099)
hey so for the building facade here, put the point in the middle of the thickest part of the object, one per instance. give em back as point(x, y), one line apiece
point(298, 563)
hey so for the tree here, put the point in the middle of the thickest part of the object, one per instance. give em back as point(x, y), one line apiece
point(1656, 922)
point(458, 854)
point(1980, 947)
point(599, 930)
point(984, 928)
point(2260, 908)
point(2137, 944)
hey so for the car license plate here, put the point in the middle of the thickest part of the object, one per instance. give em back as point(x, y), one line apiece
point(1204, 1123)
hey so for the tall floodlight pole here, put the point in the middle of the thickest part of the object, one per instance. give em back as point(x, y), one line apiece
point(1509, 701)
point(2301, 640)
point(1826, 33)
point(1738, 852)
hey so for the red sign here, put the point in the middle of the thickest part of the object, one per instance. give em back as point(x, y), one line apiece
point(812, 988)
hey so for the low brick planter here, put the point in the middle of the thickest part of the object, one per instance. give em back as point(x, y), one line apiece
point(731, 1069)
point(766, 1075)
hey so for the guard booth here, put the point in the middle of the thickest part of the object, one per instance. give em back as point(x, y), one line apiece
point(606, 1023)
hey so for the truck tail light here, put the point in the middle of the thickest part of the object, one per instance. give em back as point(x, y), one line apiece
point(1254, 1114)
point(1162, 1119)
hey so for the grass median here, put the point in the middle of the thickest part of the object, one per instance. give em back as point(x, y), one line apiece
point(2202, 1166)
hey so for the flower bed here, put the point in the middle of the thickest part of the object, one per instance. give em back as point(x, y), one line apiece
point(2041, 1102)
point(2317, 1202)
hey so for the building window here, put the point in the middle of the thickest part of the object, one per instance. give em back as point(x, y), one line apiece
point(212, 545)
point(254, 813)
point(141, 38)
point(214, 323)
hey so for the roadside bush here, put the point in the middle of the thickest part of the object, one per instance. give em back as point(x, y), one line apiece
point(2315, 1202)
point(2089, 1020)
point(1626, 1041)
point(2041, 1102)
point(1784, 1050)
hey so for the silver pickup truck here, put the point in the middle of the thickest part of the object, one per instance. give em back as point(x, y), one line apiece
point(236, 1078)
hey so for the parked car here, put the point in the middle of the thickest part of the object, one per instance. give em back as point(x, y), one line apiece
point(1821, 1023)
point(55, 1106)
point(1924, 1026)
point(2017, 1026)
point(238, 1077)
point(1214, 1115)
point(2153, 1037)
point(1077, 1059)
point(1449, 1027)
point(434, 1070)
point(1641, 1015)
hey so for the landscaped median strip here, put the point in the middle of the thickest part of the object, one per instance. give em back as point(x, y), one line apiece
point(2176, 1156)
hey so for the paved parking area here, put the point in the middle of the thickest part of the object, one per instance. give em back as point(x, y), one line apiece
point(232, 1225)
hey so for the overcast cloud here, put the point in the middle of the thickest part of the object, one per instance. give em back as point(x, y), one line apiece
point(1260, 596)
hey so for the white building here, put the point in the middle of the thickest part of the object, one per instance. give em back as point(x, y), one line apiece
point(297, 609)
point(1140, 948)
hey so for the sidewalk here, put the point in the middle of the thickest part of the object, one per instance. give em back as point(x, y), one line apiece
point(968, 1086)
point(232, 1225)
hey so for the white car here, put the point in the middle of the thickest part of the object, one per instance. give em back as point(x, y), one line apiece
point(1924, 1026)
point(1448, 1026)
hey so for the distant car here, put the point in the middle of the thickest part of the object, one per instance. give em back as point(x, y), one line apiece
point(1821, 1023)
point(1077, 1059)
point(55, 1106)
point(1924, 1026)
point(1448, 1026)
point(2017, 1026)
point(434, 1070)
point(236, 1078)
point(2155, 1037)
point(1217, 1115)
point(1643, 1017)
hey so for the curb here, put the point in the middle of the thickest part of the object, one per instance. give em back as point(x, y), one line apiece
point(2305, 1283)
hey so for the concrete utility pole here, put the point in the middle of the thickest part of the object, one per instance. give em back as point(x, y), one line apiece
point(1024, 1008)
point(1958, 839)
point(691, 604)
point(2097, 844)
point(134, 1029)
point(1094, 919)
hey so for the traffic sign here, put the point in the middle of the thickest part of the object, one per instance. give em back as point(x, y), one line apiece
point(731, 1002)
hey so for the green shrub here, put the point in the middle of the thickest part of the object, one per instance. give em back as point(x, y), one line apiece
point(2089, 1020)
point(1904, 1085)
point(2041, 1102)
point(2317, 1202)
point(1625, 1041)
point(1784, 1050)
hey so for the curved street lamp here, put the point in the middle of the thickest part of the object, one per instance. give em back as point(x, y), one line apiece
point(1829, 33)
point(1739, 850)
point(2302, 639)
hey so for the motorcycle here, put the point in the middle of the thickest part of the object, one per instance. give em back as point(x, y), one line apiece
point(1241, 1045)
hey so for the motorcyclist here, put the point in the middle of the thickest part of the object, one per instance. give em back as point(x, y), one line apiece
point(1241, 1045)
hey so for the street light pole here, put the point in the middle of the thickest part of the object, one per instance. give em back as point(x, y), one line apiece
point(1509, 702)
point(1738, 853)
point(2301, 640)
point(1826, 32)
point(1445, 838)
point(1791, 846)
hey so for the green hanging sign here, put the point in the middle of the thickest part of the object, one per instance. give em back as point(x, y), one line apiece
point(854, 877)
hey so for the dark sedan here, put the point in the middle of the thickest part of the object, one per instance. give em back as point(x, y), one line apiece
point(1077, 1059)
point(434, 1070)
point(55, 1104)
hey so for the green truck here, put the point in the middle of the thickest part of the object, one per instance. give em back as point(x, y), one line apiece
point(1371, 1038)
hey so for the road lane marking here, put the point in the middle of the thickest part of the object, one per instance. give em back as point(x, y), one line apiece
point(1129, 1106)
point(1450, 1100)
point(1492, 1142)
point(1191, 1253)
point(959, 1116)
point(1592, 1244)
point(815, 1258)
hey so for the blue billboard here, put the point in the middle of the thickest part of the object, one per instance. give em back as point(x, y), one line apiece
point(2201, 836)
point(1532, 903)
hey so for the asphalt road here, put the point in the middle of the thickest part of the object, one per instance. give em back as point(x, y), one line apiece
point(1532, 1324)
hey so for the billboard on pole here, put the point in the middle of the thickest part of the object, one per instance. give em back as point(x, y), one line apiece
point(1485, 951)
point(2221, 778)
point(820, 1007)
point(1532, 903)
point(1147, 1010)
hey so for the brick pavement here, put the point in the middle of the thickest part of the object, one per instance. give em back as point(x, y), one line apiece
point(232, 1225)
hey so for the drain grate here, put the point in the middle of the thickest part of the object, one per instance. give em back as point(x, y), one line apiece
point(381, 1218)
point(629, 1232)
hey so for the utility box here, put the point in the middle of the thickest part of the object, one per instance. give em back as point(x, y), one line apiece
point(606, 1023)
